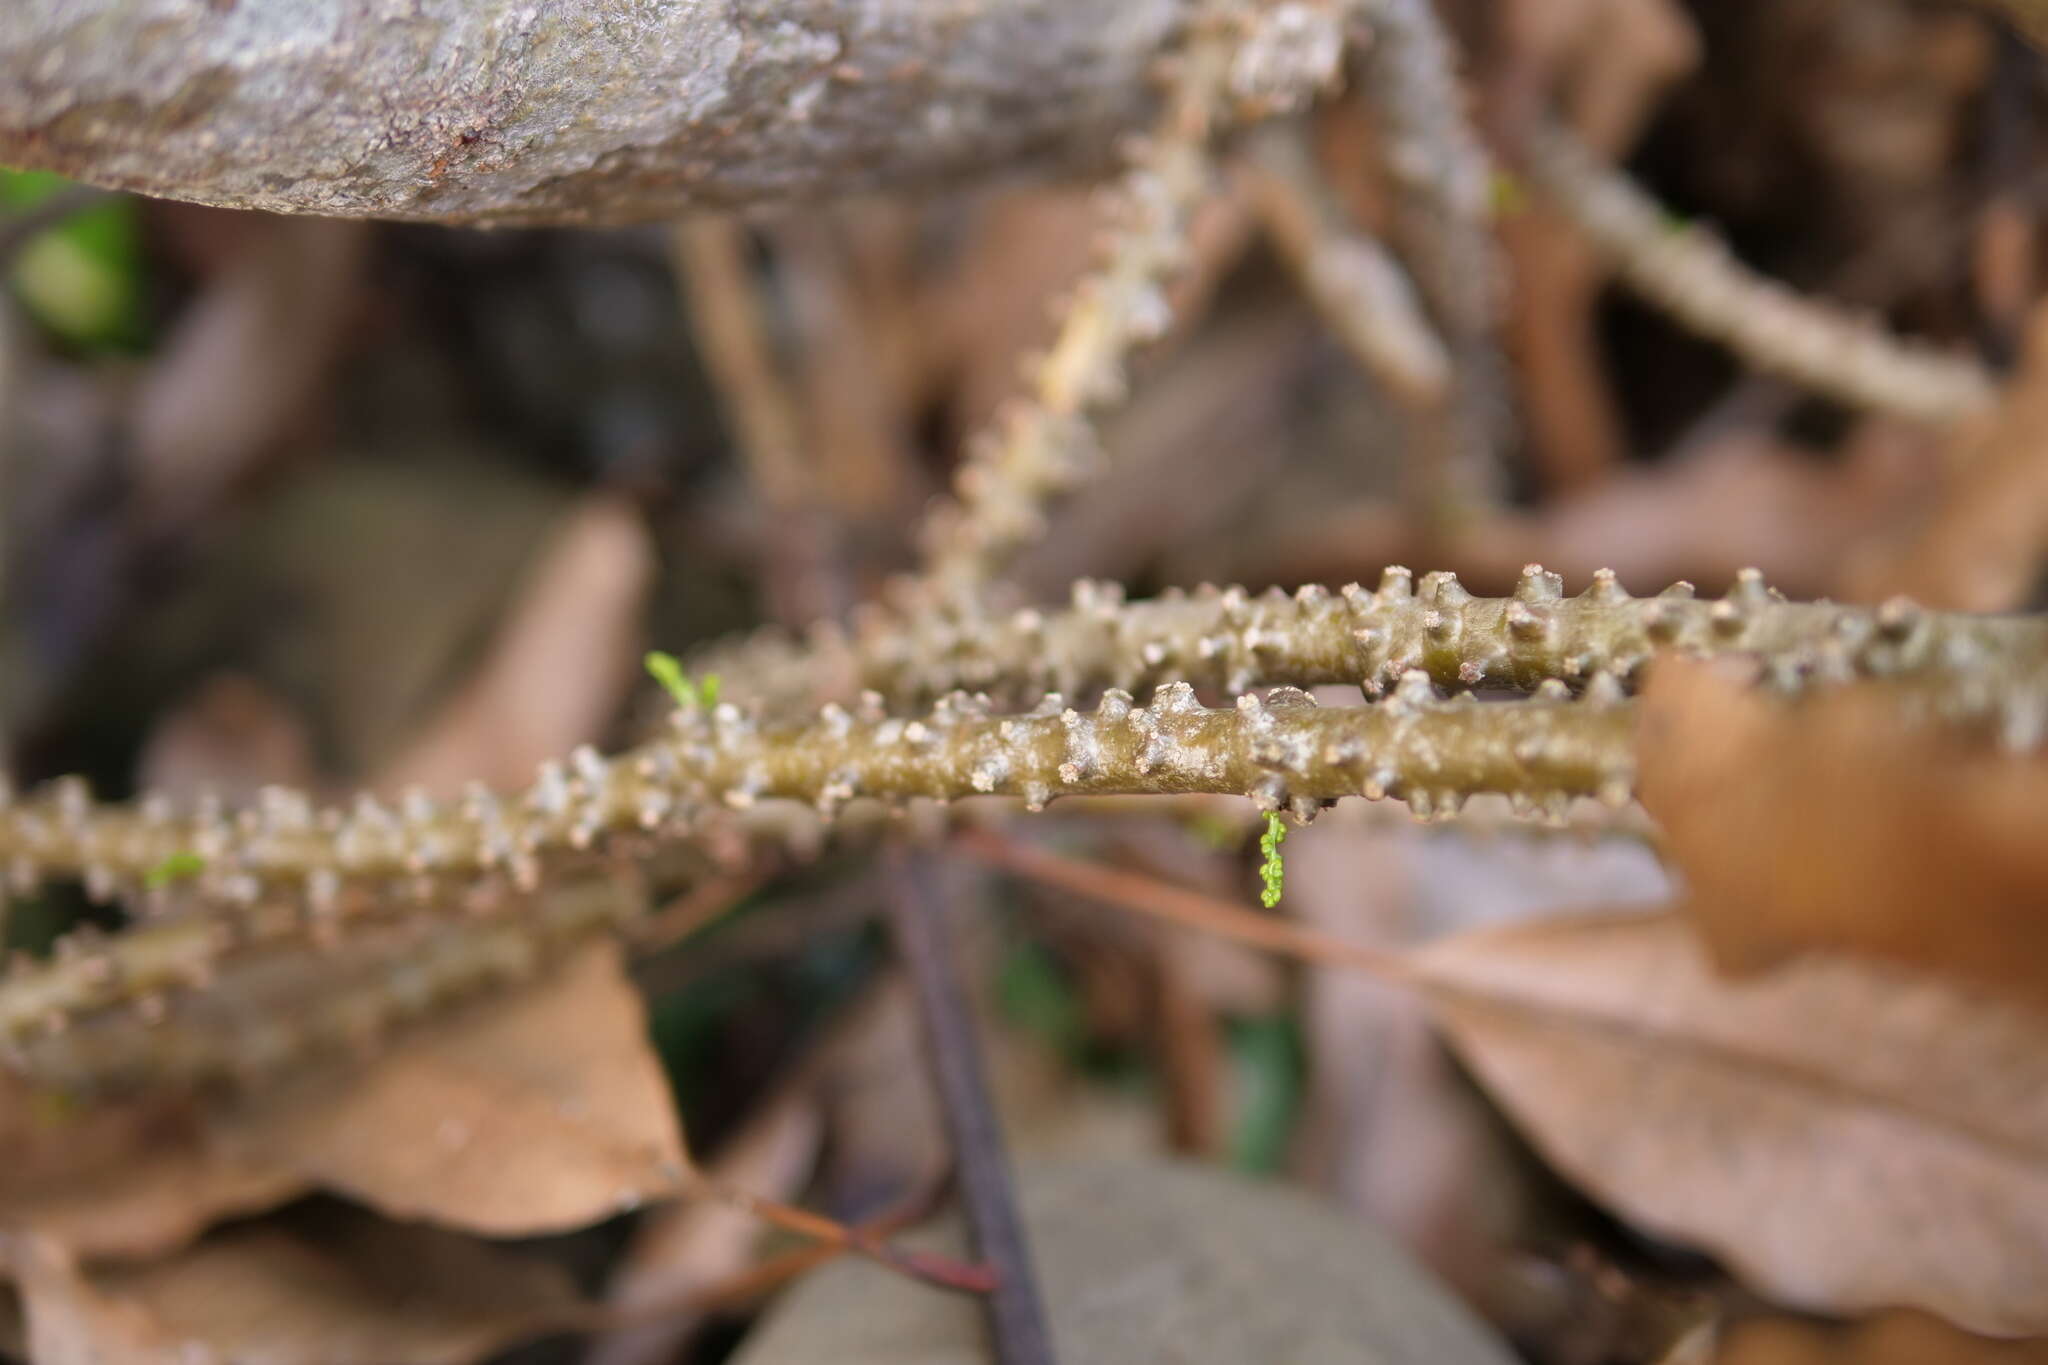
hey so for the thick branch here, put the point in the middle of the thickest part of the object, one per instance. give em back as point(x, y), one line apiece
point(1282, 753)
point(574, 111)
point(161, 1019)
point(1232, 640)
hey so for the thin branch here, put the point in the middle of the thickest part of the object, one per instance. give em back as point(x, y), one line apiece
point(760, 406)
point(1017, 1320)
point(763, 1278)
point(165, 1006)
point(710, 256)
point(1043, 445)
point(1443, 228)
point(1686, 270)
point(942, 1272)
point(1359, 288)
point(1175, 905)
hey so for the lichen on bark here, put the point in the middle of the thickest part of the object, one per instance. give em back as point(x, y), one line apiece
point(584, 111)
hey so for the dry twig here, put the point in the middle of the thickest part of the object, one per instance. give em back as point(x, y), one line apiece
point(1686, 270)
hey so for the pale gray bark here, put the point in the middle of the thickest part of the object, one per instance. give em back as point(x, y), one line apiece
point(564, 111)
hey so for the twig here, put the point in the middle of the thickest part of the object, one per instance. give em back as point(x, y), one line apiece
point(172, 1011)
point(1044, 445)
point(1690, 273)
point(1355, 283)
point(763, 1278)
point(942, 1272)
point(710, 255)
point(686, 914)
point(1017, 1318)
point(1442, 226)
point(1175, 905)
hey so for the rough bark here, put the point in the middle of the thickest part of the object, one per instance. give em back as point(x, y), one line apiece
point(563, 111)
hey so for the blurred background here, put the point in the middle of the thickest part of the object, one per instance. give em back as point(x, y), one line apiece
point(343, 504)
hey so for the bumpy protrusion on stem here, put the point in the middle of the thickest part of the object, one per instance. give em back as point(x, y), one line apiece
point(282, 873)
point(1282, 751)
point(291, 1003)
point(1043, 444)
point(1232, 640)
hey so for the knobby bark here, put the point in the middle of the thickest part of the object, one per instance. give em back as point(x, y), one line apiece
point(564, 111)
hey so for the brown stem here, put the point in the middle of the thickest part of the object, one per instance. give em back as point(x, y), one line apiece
point(1016, 1315)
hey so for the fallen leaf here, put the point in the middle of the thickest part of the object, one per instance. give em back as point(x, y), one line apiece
point(1392, 1129)
point(232, 736)
point(1981, 544)
point(1901, 1338)
point(1151, 1261)
point(125, 1180)
point(538, 1112)
point(1854, 829)
point(323, 1286)
point(558, 664)
point(246, 359)
point(1844, 1136)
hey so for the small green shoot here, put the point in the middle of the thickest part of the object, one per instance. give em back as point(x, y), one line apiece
point(175, 867)
point(1273, 871)
point(667, 670)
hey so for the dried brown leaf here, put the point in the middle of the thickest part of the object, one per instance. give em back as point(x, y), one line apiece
point(558, 665)
point(1902, 1338)
point(1982, 545)
point(329, 1286)
point(129, 1180)
point(1854, 830)
point(1845, 1137)
point(246, 358)
point(541, 1111)
point(232, 736)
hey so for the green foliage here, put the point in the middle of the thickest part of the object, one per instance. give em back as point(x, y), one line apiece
point(1266, 1058)
point(1272, 871)
point(83, 277)
point(176, 867)
point(1035, 995)
point(667, 670)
